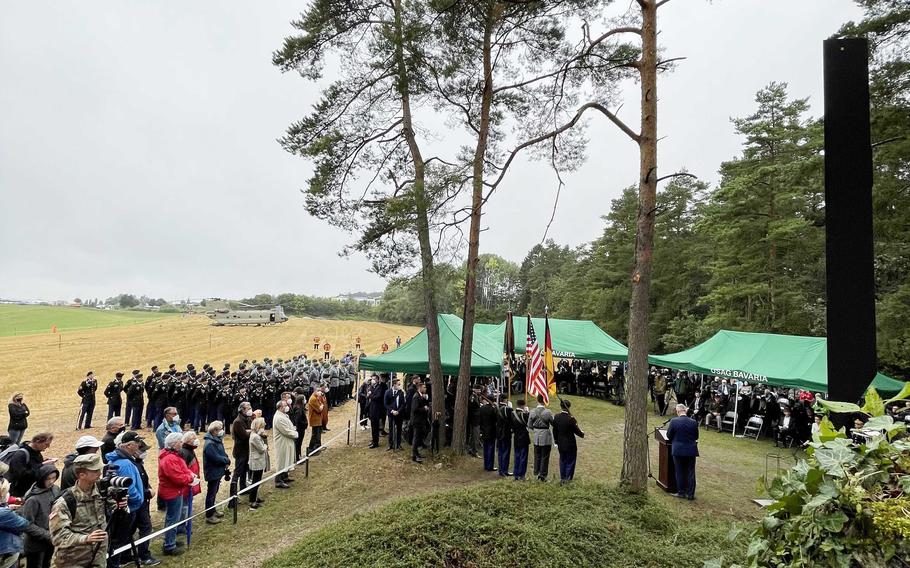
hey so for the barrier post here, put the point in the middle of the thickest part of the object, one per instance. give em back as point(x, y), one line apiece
point(236, 505)
point(306, 468)
point(349, 432)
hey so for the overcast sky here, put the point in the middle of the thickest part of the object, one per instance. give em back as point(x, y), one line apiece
point(138, 144)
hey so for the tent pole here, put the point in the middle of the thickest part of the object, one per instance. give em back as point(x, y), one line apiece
point(736, 409)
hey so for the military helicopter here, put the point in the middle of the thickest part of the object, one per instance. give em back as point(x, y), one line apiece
point(221, 312)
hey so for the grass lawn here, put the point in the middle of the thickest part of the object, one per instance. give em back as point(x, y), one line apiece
point(353, 492)
point(20, 320)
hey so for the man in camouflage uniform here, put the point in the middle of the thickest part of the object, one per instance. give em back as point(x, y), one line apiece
point(78, 532)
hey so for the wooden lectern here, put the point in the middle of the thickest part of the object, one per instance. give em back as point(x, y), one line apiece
point(666, 474)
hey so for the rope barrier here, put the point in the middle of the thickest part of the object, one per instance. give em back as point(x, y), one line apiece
point(236, 497)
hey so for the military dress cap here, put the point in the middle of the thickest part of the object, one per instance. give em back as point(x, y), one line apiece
point(89, 461)
point(119, 374)
point(154, 367)
point(136, 372)
point(90, 373)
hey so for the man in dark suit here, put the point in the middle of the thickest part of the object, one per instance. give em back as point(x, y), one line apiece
point(683, 436)
point(420, 421)
point(394, 406)
point(487, 417)
point(375, 395)
point(565, 428)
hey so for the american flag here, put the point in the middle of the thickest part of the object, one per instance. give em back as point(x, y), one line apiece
point(537, 383)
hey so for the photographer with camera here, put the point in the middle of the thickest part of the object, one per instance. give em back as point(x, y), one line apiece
point(125, 462)
point(78, 519)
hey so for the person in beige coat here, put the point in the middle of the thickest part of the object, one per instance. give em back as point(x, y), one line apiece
point(259, 458)
point(284, 435)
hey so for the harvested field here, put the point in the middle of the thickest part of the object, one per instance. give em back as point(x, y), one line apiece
point(48, 368)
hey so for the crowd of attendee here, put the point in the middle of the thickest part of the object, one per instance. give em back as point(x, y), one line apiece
point(266, 407)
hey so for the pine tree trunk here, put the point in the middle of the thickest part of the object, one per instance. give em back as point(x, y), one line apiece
point(459, 426)
point(423, 225)
point(635, 444)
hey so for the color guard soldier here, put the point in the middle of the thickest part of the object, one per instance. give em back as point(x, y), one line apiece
point(113, 392)
point(86, 392)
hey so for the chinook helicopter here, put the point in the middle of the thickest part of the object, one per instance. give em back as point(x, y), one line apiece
point(221, 313)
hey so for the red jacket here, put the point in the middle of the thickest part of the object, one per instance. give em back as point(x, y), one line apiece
point(173, 475)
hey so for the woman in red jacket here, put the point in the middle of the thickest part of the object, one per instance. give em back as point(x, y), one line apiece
point(174, 478)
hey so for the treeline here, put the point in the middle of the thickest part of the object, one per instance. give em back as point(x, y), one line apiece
point(314, 306)
point(745, 255)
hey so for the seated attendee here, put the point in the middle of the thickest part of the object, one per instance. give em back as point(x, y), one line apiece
point(786, 430)
point(716, 411)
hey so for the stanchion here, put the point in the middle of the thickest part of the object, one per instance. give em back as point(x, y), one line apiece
point(236, 504)
point(306, 468)
point(349, 432)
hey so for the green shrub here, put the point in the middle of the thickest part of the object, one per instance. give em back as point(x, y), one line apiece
point(846, 505)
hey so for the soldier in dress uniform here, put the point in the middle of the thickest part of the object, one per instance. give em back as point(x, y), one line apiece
point(151, 408)
point(86, 392)
point(134, 390)
point(114, 394)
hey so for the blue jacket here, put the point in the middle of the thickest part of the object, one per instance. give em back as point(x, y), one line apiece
point(683, 435)
point(214, 459)
point(11, 527)
point(163, 430)
point(127, 468)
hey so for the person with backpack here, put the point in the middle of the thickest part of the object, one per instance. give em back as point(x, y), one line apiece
point(36, 509)
point(86, 392)
point(122, 461)
point(18, 418)
point(77, 520)
point(25, 461)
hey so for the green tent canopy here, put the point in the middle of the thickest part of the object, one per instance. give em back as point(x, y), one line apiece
point(764, 358)
point(572, 339)
point(413, 356)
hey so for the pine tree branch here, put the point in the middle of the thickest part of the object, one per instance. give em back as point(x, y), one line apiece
point(676, 175)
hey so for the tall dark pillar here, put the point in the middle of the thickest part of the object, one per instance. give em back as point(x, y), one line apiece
point(852, 359)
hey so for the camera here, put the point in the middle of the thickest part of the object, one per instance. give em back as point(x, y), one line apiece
point(113, 486)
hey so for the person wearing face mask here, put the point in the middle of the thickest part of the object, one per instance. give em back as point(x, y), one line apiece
point(316, 407)
point(215, 462)
point(259, 459)
point(240, 432)
point(143, 522)
point(394, 406)
point(122, 461)
point(284, 434)
point(18, 418)
point(115, 426)
point(170, 425)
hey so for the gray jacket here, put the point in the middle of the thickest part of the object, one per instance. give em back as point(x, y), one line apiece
point(539, 421)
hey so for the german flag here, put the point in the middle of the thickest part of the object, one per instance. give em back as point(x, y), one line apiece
point(548, 362)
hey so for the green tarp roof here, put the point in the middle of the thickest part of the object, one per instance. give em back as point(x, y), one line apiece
point(765, 358)
point(413, 356)
point(575, 339)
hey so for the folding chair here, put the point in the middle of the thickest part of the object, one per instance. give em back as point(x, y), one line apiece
point(729, 421)
point(754, 427)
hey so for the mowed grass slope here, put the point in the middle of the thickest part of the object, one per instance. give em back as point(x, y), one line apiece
point(20, 320)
